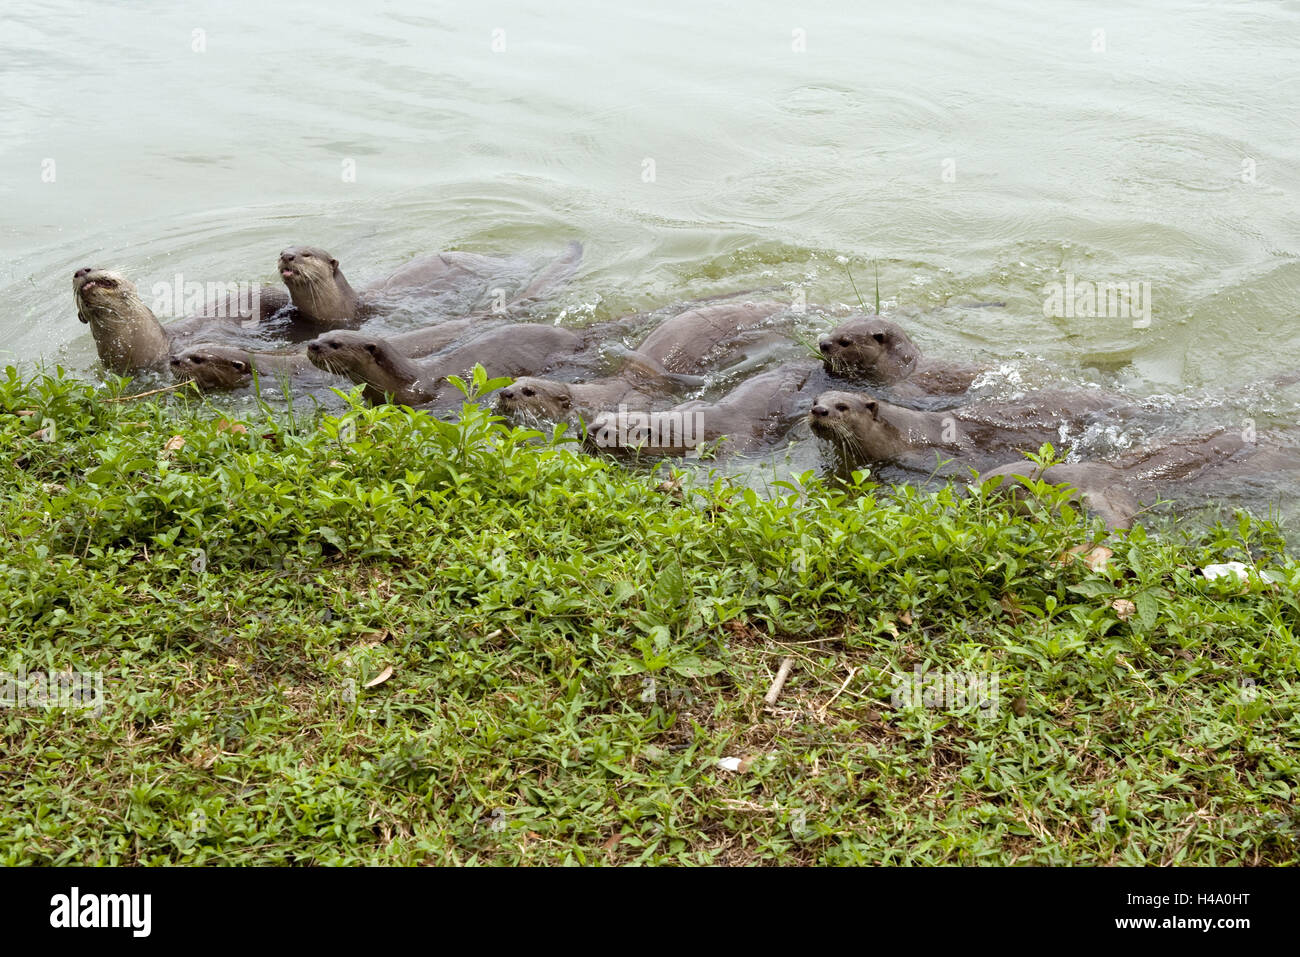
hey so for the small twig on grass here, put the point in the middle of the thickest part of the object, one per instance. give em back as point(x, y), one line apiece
point(826, 706)
point(774, 692)
point(141, 395)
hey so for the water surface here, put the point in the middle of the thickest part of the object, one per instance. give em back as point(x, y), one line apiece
point(973, 152)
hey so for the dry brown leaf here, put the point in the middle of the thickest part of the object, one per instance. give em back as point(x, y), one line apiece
point(1010, 605)
point(25, 412)
point(905, 617)
point(741, 629)
point(225, 425)
point(1097, 558)
point(1020, 706)
point(1094, 556)
point(1068, 556)
point(380, 678)
point(172, 445)
point(1124, 609)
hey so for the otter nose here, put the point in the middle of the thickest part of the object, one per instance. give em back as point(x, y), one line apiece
point(286, 256)
point(83, 271)
point(820, 411)
point(507, 394)
point(825, 346)
point(313, 346)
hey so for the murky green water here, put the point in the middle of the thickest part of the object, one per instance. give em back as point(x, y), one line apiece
point(976, 152)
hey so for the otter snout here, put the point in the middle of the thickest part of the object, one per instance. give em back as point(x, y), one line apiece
point(89, 278)
point(825, 346)
point(819, 420)
point(288, 269)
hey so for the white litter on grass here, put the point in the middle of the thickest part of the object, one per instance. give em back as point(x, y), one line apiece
point(743, 765)
point(1239, 570)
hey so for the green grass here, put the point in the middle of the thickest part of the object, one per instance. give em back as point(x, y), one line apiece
point(859, 295)
point(574, 647)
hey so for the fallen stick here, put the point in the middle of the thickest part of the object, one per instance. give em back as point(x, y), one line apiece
point(826, 706)
point(774, 692)
point(141, 395)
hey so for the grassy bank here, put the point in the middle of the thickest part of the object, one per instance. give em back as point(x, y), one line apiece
point(382, 638)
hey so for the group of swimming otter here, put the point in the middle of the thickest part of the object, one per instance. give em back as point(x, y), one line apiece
point(630, 399)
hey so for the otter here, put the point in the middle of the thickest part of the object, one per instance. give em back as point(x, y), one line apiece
point(1113, 490)
point(868, 349)
point(757, 412)
point(324, 299)
point(1094, 485)
point(695, 340)
point(864, 430)
point(128, 337)
point(372, 361)
point(876, 351)
point(212, 366)
point(533, 398)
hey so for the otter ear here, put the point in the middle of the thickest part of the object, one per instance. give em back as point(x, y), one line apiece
point(878, 336)
point(566, 401)
point(334, 266)
point(240, 365)
point(370, 347)
point(873, 407)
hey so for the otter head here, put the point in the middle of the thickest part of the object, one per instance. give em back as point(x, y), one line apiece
point(529, 397)
point(612, 432)
point(855, 424)
point(317, 285)
point(869, 348)
point(365, 359)
point(103, 294)
point(213, 367)
point(632, 432)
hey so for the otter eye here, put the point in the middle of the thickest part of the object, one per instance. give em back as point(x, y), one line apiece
point(370, 347)
point(305, 255)
point(197, 360)
point(239, 366)
point(845, 341)
point(878, 336)
point(841, 407)
point(530, 392)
